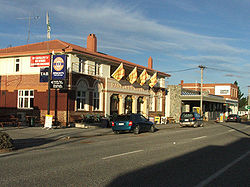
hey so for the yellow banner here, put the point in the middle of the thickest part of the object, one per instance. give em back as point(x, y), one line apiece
point(143, 77)
point(132, 76)
point(119, 73)
point(153, 80)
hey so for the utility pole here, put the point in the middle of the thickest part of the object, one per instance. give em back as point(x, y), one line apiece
point(201, 100)
point(248, 111)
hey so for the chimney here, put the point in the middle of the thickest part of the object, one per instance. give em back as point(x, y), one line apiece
point(182, 82)
point(150, 62)
point(92, 43)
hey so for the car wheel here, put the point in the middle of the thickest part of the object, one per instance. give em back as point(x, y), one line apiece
point(152, 129)
point(116, 132)
point(136, 130)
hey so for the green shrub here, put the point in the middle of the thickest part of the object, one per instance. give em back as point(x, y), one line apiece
point(5, 141)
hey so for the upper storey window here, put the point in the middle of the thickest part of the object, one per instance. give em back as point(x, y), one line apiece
point(17, 65)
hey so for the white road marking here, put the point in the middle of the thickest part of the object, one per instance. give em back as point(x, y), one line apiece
point(221, 171)
point(231, 130)
point(199, 137)
point(122, 154)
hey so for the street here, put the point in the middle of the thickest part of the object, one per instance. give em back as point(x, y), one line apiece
point(215, 155)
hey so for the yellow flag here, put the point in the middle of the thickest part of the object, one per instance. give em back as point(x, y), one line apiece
point(143, 77)
point(119, 73)
point(132, 76)
point(153, 80)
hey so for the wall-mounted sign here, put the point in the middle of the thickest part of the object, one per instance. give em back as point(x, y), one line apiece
point(40, 61)
point(222, 90)
point(59, 67)
point(44, 74)
point(57, 84)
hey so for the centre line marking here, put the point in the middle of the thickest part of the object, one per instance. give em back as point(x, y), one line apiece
point(221, 171)
point(199, 137)
point(122, 154)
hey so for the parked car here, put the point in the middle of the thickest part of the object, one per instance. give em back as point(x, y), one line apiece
point(233, 118)
point(191, 119)
point(133, 123)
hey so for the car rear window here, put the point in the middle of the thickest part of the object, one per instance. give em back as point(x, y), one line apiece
point(122, 118)
point(187, 115)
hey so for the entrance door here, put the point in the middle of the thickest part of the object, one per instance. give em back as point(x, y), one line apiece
point(114, 101)
point(128, 105)
point(139, 105)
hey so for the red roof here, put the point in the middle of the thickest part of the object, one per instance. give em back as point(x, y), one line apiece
point(59, 46)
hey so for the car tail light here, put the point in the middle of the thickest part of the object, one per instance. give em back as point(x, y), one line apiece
point(113, 124)
point(235, 117)
point(193, 118)
point(130, 123)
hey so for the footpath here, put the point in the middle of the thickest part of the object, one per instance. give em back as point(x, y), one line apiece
point(25, 132)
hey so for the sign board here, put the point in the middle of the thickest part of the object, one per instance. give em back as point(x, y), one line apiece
point(222, 90)
point(57, 84)
point(40, 61)
point(247, 107)
point(44, 74)
point(59, 67)
point(48, 121)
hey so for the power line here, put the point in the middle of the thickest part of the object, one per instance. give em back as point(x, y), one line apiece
point(181, 70)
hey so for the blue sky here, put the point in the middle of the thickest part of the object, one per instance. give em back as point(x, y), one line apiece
point(178, 34)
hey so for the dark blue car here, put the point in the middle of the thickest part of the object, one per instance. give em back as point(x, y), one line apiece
point(135, 123)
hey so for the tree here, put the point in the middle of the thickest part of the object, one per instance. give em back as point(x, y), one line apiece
point(242, 101)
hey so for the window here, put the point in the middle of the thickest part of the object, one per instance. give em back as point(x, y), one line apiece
point(159, 103)
point(97, 69)
point(82, 96)
point(81, 100)
point(17, 65)
point(96, 101)
point(81, 66)
point(152, 102)
point(25, 98)
point(97, 97)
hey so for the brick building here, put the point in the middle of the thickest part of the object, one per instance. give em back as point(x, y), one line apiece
point(226, 90)
point(88, 87)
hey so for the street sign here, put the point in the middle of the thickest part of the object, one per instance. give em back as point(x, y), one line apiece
point(57, 84)
point(247, 107)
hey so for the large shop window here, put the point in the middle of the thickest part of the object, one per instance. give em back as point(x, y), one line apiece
point(25, 98)
point(81, 96)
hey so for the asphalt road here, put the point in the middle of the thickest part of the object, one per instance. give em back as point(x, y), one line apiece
point(216, 155)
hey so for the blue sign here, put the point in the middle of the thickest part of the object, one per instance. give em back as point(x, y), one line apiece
point(59, 67)
point(44, 74)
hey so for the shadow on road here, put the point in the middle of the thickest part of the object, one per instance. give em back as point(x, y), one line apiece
point(31, 142)
point(192, 168)
point(242, 132)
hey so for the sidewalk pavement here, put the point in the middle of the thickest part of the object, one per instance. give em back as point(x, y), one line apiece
point(56, 133)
